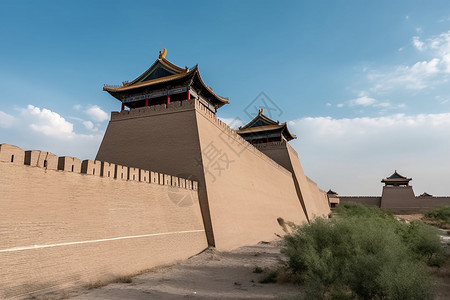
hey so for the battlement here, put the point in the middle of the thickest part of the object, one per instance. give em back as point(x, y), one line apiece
point(176, 106)
point(49, 161)
point(180, 106)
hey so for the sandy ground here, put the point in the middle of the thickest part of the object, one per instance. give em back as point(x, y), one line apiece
point(209, 275)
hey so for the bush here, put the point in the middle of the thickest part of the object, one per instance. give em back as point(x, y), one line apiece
point(364, 253)
point(439, 216)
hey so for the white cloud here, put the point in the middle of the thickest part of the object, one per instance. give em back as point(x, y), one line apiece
point(89, 125)
point(37, 128)
point(97, 114)
point(328, 104)
point(420, 75)
point(351, 155)
point(47, 122)
point(363, 101)
point(340, 105)
point(418, 43)
point(6, 120)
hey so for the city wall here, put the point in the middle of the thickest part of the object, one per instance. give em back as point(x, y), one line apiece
point(249, 194)
point(66, 222)
point(242, 191)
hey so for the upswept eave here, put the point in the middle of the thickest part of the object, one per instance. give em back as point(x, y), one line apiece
point(181, 74)
point(272, 127)
point(259, 116)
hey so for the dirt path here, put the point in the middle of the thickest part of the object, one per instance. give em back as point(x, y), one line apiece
point(209, 275)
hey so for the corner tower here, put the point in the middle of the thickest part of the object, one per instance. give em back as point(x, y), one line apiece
point(272, 138)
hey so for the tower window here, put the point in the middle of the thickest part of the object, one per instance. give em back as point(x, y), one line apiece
point(45, 163)
point(12, 158)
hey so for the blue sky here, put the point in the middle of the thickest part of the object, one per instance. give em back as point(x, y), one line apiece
point(363, 84)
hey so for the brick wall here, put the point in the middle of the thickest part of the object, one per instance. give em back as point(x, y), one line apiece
point(60, 228)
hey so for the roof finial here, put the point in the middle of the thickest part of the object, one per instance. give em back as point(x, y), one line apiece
point(261, 111)
point(163, 53)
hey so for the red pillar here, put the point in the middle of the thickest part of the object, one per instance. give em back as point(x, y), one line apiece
point(146, 101)
point(267, 139)
point(168, 99)
point(188, 95)
point(123, 106)
point(251, 141)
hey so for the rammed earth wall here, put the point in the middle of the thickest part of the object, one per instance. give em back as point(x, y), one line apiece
point(314, 200)
point(242, 191)
point(59, 228)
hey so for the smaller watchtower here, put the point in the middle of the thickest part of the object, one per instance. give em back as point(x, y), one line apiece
point(264, 130)
point(397, 193)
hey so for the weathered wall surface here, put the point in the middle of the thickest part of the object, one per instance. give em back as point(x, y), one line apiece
point(247, 191)
point(59, 228)
point(367, 200)
point(401, 200)
point(314, 200)
point(161, 139)
point(242, 192)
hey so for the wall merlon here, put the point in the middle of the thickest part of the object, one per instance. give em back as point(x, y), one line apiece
point(91, 167)
point(69, 164)
point(154, 177)
point(12, 154)
point(175, 181)
point(108, 169)
point(161, 179)
point(41, 159)
point(182, 182)
point(167, 179)
point(195, 185)
point(189, 184)
point(144, 176)
point(133, 174)
point(121, 172)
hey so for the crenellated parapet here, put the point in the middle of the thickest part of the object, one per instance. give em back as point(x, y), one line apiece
point(49, 161)
point(176, 106)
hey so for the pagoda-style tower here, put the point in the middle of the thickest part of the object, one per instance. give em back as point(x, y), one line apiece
point(396, 180)
point(159, 130)
point(264, 130)
point(164, 83)
point(397, 193)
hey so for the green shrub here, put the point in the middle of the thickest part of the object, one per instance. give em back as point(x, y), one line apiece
point(364, 253)
point(439, 216)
